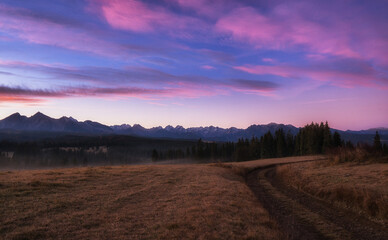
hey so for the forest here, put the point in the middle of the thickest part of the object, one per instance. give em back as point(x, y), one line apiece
point(312, 139)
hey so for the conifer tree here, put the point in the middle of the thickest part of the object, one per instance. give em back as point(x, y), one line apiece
point(280, 143)
point(337, 140)
point(267, 145)
point(377, 143)
point(290, 144)
point(327, 138)
point(155, 155)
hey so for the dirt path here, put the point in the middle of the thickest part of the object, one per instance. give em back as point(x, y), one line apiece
point(302, 216)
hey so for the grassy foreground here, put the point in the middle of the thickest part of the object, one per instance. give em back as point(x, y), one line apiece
point(358, 187)
point(131, 202)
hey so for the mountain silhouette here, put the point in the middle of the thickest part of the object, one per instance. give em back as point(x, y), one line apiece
point(52, 127)
point(41, 122)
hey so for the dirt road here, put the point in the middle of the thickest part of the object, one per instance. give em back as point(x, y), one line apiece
point(302, 216)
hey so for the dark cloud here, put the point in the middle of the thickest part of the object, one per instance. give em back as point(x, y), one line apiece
point(131, 81)
point(218, 56)
point(254, 85)
point(345, 65)
point(6, 73)
point(109, 76)
point(42, 16)
point(20, 94)
point(19, 91)
point(128, 91)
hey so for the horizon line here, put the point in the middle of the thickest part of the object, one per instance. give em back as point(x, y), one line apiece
point(178, 125)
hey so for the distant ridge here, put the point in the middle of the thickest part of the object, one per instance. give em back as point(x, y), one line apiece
point(381, 130)
point(39, 122)
point(210, 133)
point(68, 125)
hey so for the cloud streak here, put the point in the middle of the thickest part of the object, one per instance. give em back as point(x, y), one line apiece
point(137, 82)
point(344, 72)
point(27, 95)
point(292, 26)
point(28, 26)
point(140, 17)
point(48, 29)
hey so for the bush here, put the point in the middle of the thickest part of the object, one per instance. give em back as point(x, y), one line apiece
point(360, 154)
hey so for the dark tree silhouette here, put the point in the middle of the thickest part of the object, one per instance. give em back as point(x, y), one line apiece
point(337, 140)
point(280, 143)
point(155, 155)
point(327, 138)
point(377, 143)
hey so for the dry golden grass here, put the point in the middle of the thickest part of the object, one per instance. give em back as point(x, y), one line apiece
point(362, 188)
point(241, 168)
point(131, 202)
point(359, 155)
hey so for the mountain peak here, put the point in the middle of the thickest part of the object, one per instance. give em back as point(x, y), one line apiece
point(39, 117)
point(15, 115)
point(137, 126)
point(68, 119)
point(38, 114)
point(73, 119)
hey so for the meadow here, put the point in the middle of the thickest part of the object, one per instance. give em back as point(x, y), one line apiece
point(359, 187)
point(186, 201)
point(131, 202)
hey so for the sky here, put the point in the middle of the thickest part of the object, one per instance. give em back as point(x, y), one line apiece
point(197, 62)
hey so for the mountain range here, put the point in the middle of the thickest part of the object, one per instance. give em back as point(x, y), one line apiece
point(40, 126)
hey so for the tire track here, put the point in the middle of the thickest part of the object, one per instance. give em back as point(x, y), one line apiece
point(302, 216)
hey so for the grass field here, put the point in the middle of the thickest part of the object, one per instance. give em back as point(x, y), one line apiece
point(131, 202)
point(358, 187)
point(190, 201)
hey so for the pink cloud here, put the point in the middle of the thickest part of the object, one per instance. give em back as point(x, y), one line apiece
point(283, 30)
point(292, 26)
point(366, 77)
point(218, 56)
point(199, 5)
point(23, 95)
point(209, 8)
point(18, 23)
point(26, 25)
point(144, 83)
point(24, 100)
point(269, 60)
point(135, 15)
point(207, 67)
point(27, 95)
point(263, 88)
point(138, 16)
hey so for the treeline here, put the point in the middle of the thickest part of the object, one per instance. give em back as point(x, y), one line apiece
point(110, 150)
point(362, 152)
point(312, 139)
point(84, 151)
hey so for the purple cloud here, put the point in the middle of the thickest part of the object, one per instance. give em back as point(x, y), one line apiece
point(292, 26)
point(132, 81)
point(340, 72)
point(45, 28)
point(19, 94)
point(218, 56)
point(141, 17)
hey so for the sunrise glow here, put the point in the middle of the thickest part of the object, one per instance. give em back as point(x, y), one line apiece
point(197, 62)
